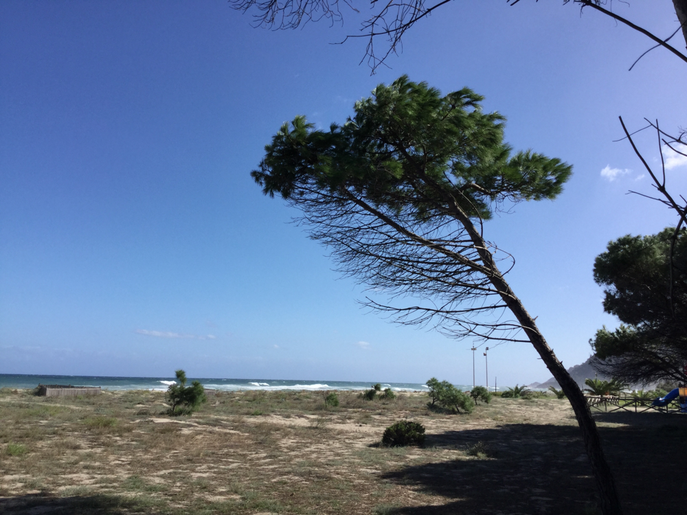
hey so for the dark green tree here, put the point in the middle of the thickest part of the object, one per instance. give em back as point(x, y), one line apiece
point(399, 194)
point(645, 280)
point(183, 399)
point(480, 394)
point(445, 396)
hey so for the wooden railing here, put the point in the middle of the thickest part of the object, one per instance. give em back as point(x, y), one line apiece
point(632, 403)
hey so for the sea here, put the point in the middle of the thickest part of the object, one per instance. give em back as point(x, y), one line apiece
point(23, 381)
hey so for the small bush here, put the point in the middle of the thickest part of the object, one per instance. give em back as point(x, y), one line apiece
point(443, 395)
point(370, 395)
point(447, 397)
point(480, 393)
point(388, 394)
point(331, 400)
point(185, 399)
point(15, 449)
point(404, 432)
point(100, 422)
point(478, 450)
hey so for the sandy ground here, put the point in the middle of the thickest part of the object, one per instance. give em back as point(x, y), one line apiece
point(121, 454)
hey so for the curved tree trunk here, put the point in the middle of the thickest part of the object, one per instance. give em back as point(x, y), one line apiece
point(609, 501)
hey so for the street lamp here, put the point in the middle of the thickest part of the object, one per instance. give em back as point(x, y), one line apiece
point(486, 364)
point(473, 365)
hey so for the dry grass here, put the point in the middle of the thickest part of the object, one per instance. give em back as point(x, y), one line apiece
point(286, 452)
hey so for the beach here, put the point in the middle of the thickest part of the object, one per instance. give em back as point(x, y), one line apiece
point(264, 452)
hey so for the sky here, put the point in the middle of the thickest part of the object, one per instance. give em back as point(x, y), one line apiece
point(134, 242)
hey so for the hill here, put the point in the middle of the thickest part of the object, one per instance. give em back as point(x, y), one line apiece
point(579, 373)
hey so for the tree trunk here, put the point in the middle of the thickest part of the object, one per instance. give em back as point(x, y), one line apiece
point(609, 501)
point(681, 11)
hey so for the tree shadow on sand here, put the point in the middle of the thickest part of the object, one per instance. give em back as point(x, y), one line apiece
point(46, 504)
point(543, 469)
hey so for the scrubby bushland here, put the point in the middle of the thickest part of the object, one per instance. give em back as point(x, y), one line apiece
point(443, 395)
point(183, 399)
point(404, 432)
point(480, 393)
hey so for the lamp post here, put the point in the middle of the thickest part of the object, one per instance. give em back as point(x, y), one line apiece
point(486, 364)
point(473, 365)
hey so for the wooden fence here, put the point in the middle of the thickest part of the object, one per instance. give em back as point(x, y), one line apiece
point(611, 403)
point(61, 390)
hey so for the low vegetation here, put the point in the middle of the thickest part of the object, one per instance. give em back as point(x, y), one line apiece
point(404, 432)
point(183, 399)
point(480, 394)
point(331, 400)
point(516, 392)
point(446, 397)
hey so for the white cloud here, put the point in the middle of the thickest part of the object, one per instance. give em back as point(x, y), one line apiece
point(611, 174)
point(363, 345)
point(672, 158)
point(169, 334)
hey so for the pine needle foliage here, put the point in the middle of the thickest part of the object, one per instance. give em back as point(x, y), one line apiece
point(183, 399)
point(404, 432)
point(480, 394)
point(446, 397)
point(645, 283)
point(399, 192)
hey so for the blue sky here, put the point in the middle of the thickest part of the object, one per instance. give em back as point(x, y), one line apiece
point(134, 242)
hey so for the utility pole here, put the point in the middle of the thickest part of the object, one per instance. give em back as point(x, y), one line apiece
point(473, 365)
point(486, 364)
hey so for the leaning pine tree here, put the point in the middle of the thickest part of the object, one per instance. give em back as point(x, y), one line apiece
point(400, 193)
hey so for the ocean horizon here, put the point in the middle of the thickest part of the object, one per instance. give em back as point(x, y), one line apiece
point(29, 381)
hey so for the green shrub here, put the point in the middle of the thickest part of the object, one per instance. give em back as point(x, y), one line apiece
point(17, 449)
point(404, 432)
point(369, 395)
point(388, 394)
point(480, 393)
point(331, 400)
point(444, 395)
point(184, 399)
point(100, 422)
